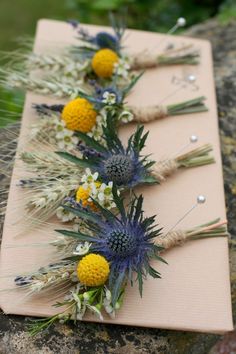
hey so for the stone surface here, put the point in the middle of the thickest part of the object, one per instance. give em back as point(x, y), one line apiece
point(96, 338)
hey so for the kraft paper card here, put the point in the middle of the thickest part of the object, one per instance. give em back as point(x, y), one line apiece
point(194, 292)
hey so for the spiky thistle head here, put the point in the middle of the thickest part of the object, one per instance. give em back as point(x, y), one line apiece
point(124, 240)
point(102, 39)
point(125, 166)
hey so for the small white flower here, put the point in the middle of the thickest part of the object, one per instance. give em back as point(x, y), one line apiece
point(82, 248)
point(89, 177)
point(101, 197)
point(66, 140)
point(63, 133)
point(109, 98)
point(64, 215)
point(86, 296)
point(108, 294)
point(126, 116)
point(96, 311)
point(97, 131)
point(122, 67)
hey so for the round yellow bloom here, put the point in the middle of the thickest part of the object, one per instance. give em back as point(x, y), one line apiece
point(82, 196)
point(103, 62)
point(93, 270)
point(80, 115)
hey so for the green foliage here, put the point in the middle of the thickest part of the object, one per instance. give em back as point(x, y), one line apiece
point(150, 15)
point(11, 104)
point(227, 11)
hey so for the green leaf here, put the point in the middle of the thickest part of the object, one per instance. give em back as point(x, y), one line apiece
point(137, 136)
point(158, 258)
point(142, 141)
point(82, 214)
point(91, 142)
point(116, 289)
point(118, 201)
point(140, 282)
point(153, 272)
point(112, 139)
point(149, 179)
point(76, 234)
point(138, 207)
point(73, 159)
point(106, 213)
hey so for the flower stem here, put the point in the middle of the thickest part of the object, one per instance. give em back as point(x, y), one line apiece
point(191, 106)
point(189, 58)
point(214, 228)
point(197, 157)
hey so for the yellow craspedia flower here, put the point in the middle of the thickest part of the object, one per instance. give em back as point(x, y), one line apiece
point(103, 62)
point(93, 270)
point(82, 196)
point(80, 115)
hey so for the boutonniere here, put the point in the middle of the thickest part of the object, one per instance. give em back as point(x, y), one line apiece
point(88, 113)
point(93, 168)
point(101, 56)
point(108, 251)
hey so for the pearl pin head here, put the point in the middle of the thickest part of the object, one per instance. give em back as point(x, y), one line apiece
point(191, 78)
point(193, 138)
point(201, 199)
point(181, 22)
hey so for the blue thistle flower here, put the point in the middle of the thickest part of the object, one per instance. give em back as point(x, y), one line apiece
point(102, 39)
point(126, 167)
point(107, 40)
point(125, 240)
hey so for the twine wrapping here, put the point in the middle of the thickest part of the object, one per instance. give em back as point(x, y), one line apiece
point(144, 60)
point(172, 239)
point(164, 168)
point(148, 113)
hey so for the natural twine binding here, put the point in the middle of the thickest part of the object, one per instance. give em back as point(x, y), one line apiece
point(172, 239)
point(148, 113)
point(214, 228)
point(143, 61)
point(165, 168)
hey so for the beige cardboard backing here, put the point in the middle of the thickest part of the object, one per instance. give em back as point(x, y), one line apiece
point(194, 292)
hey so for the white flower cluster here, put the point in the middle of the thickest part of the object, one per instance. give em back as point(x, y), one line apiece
point(82, 248)
point(66, 140)
point(101, 192)
point(122, 67)
point(110, 310)
point(53, 130)
point(64, 215)
point(82, 301)
point(97, 133)
point(109, 98)
point(125, 116)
